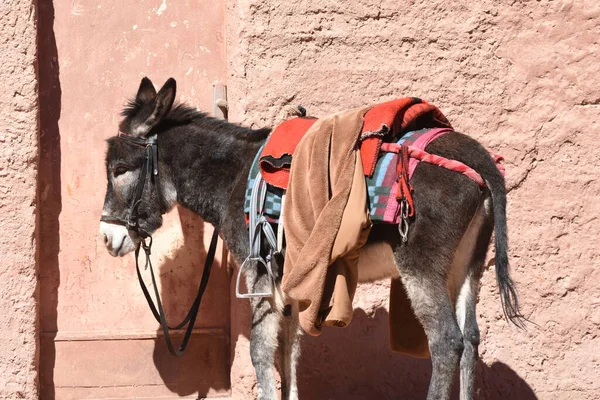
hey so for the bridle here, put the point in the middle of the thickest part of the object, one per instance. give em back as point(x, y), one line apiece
point(149, 163)
point(131, 222)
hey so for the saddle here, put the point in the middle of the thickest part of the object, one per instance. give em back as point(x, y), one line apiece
point(386, 120)
point(388, 131)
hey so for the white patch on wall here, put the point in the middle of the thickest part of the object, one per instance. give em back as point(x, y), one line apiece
point(134, 27)
point(76, 8)
point(173, 24)
point(189, 71)
point(150, 53)
point(204, 49)
point(162, 8)
point(66, 62)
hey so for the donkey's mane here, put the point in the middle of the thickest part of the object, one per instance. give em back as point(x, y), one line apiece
point(132, 107)
point(183, 114)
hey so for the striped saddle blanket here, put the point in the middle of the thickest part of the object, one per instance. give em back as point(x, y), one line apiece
point(382, 185)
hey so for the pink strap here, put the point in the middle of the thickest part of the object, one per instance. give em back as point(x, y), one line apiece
point(443, 162)
point(422, 156)
point(422, 142)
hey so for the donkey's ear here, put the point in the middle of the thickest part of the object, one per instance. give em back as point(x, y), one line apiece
point(165, 99)
point(162, 104)
point(146, 93)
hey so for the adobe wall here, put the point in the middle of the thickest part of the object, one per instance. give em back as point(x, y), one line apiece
point(18, 174)
point(523, 79)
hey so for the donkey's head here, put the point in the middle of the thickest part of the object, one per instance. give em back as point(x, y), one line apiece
point(136, 197)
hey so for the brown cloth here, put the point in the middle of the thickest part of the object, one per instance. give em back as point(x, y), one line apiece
point(327, 168)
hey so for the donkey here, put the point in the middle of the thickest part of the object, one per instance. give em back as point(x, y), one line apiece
point(203, 165)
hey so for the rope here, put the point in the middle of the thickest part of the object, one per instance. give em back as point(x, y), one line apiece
point(288, 111)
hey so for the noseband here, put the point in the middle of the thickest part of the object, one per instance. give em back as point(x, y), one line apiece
point(131, 222)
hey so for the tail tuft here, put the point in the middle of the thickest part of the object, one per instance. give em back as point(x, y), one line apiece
point(508, 292)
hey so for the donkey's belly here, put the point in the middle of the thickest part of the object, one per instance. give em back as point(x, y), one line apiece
point(376, 261)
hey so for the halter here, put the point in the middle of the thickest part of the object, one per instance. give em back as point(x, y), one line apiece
point(131, 222)
point(149, 163)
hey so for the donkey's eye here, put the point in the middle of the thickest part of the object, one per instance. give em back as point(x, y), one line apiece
point(120, 170)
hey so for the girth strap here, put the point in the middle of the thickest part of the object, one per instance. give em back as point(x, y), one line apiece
point(159, 313)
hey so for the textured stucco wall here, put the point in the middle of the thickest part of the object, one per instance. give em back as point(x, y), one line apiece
point(522, 77)
point(18, 171)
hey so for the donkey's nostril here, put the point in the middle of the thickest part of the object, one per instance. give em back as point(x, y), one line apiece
point(105, 239)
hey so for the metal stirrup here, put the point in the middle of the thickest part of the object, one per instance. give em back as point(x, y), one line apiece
point(258, 226)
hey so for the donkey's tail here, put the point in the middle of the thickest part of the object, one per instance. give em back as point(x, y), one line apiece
point(508, 294)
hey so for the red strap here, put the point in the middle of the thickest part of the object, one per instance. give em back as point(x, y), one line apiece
point(405, 188)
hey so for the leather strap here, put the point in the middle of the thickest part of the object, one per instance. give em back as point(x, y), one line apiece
point(158, 310)
point(405, 188)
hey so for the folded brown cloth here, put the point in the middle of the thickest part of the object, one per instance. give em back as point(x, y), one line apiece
point(327, 168)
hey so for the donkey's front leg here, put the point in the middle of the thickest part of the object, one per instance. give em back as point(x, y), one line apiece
point(289, 347)
point(263, 341)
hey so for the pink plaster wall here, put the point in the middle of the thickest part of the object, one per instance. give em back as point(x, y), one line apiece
point(522, 77)
point(18, 172)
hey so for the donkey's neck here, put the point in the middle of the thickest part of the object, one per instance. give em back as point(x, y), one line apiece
point(208, 162)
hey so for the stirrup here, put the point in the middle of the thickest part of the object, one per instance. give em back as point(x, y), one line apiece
point(403, 223)
point(248, 261)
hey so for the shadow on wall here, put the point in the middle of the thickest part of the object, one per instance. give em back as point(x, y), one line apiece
point(204, 365)
point(49, 196)
point(357, 363)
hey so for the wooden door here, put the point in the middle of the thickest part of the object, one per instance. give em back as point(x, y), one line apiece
point(98, 337)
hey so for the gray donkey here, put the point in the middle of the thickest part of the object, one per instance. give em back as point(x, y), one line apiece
point(202, 164)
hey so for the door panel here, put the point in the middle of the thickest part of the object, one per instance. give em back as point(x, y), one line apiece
point(99, 339)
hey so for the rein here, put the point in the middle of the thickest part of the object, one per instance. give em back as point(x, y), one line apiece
point(131, 222)
point(158, 310)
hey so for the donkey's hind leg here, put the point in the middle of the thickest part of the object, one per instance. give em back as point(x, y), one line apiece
point(446, 203)
point(429, 298)
point(467, 320)
point(266, 319)
point(467, 300)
